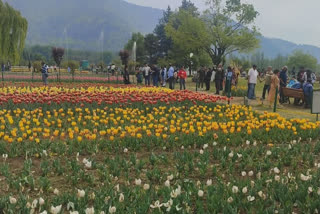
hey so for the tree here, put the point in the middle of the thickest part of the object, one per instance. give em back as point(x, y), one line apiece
point(301, 59)
point(151, 43)
point(216, 32)
point(57, 54)
point(13, 32)
point(165, 43)
point(140, 52)
point(124, 56)
point(189, 7)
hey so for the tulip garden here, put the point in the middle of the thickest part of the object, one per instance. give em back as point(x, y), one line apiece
point(102, 148)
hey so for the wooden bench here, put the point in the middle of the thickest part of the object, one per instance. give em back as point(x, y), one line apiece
point(294, 93)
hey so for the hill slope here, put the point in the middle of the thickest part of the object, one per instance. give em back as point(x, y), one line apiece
point(83, 21)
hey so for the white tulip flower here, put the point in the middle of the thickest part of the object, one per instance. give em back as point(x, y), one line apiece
point(41, 201)
point(12, 200)
point(81, 193)
point(89, 210)
point(318, 192)
point(243, 173)
point(277, 178)
point(230, 200)
point(170, 177)
point(205, 146)
point(231, 155)
point(146, 186)
point(276, 170)
point(44, 212)
point(269, 153)
point(251, 198)
point(248, 142)
point(74, 212)
point(167, 183)
point(250, 173)
point(153, 206)
point(55, 210)
point(121, 198)
point(305, 177)
point(239, 155)
point(201, 151)
point(235, 189)
point(112, 209)
point(214, 143)
point(56, 191)
point(310, 190)
point(200, 193)
point(244, 190)
point(5, 156)
point(209, 182)
point(125, 150)
point(34, 203)
point(137, 182)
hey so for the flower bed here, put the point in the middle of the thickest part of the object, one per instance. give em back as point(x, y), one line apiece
point(105, 149)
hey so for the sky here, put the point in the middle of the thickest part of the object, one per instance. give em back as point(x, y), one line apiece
point(292, 20)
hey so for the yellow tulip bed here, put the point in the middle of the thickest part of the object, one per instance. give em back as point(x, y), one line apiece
point(84, 148)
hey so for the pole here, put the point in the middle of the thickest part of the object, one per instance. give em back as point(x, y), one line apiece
point(275, 101)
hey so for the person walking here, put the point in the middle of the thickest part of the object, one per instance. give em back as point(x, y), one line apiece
point(267, 82)
point(252, 82)
point(171, 77)
point(44, 72)
point(146, 74)
point(3, 67)
point(207, 79)
point(274, 85)
point(218, 79)
point(283, 82)
point(182, 76)
point(228, 81)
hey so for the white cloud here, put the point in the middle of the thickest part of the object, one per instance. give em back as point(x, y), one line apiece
point(292, 20)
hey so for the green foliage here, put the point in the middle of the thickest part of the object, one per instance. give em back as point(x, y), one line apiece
point(151, 45)
point(13, 31)
point(37, 66)
point(299, 59)
point(72, 64)
point(141, 52)
point(57, 54)
point(216, 32)
point(43, 53)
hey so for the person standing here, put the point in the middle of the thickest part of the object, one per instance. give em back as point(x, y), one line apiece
point(208, 79)
point(307, 91)
point(29, 66)
point(155, 75)
point(283, 82)
point(275, 82)
point(252, 82)
point(44, 72)
point(201, 77)
point(300, 75)
point(146, 74)
point(3, 67)
point(218, 79)
point(164, 76)
point(171, 77)
point(267, 82)
point(228, 81)
point(182, 76)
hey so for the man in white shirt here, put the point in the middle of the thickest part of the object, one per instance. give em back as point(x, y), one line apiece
point(252, 81)
point(147, 74)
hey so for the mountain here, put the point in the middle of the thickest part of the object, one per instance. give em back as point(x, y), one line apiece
point(273, 47)
point(85, 23)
